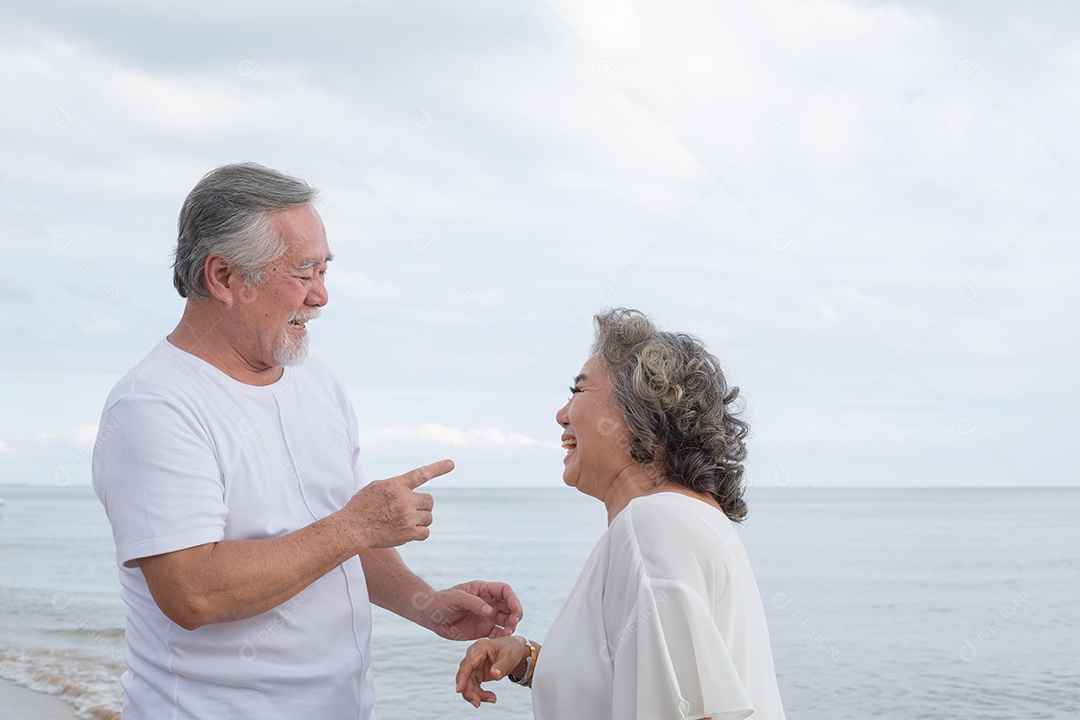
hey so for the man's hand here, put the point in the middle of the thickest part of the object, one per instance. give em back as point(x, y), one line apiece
point(388, 513)
point(470, 610)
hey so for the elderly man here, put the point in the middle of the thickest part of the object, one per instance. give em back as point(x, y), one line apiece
point(249, 546)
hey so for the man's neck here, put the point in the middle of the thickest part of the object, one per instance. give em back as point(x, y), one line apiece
point(205, 335)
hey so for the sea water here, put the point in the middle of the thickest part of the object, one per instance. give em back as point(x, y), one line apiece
point(881, 603)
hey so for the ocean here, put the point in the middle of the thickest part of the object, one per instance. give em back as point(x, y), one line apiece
point(894, 604)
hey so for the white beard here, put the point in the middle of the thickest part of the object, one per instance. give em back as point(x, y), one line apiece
point(291, 350)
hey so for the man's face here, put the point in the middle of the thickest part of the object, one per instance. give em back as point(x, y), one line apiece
point(292, 292)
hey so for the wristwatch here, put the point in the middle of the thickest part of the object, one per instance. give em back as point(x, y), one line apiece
point(530, 664)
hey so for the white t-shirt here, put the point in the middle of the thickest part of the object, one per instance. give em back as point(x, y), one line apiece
point(187, 456)
point(664, 622)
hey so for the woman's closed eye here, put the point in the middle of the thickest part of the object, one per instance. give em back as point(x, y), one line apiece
point(574, 389)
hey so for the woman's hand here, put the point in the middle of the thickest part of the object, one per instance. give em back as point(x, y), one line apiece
point(490, 659)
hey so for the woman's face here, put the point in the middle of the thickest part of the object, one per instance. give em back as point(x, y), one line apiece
point(595, 435)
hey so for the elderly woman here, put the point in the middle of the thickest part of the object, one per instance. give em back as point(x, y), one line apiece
point(665, 620)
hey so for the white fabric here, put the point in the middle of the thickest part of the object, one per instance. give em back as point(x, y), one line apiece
point(665, 621)
point(186, 456)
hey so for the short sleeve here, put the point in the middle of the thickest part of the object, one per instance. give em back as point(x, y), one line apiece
point(156, 473)
point(670, 660)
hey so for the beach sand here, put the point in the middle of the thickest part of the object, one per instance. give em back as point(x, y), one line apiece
point(19, 703)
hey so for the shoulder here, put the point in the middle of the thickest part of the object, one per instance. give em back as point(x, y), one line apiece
point(162, 373)
point(167, 384)
point(675, 537)
point(672, 515)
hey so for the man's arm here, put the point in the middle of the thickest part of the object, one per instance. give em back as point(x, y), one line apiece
point(393, 586)
point(464, 612)
point(237, 579)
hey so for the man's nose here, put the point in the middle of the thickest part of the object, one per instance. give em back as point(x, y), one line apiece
point(318, 294)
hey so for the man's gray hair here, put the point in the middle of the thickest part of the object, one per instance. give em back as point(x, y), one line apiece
point(228, 213)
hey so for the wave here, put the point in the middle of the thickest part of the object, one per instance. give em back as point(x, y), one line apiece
point(86, 682)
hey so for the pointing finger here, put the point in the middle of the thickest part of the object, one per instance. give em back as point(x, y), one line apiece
point(419, 476)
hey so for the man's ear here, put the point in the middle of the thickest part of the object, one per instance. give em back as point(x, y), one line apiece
point(221, 280)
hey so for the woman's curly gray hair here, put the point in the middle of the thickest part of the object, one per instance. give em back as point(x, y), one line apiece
point(677, 404)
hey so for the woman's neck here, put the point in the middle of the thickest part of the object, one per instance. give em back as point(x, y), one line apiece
point(640, 480)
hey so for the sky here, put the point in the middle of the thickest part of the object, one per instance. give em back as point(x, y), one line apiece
point(866, 210)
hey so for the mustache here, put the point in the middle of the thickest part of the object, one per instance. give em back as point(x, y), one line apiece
point(309, 314)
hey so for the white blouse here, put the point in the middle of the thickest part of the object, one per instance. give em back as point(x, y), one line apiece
point(665, 621)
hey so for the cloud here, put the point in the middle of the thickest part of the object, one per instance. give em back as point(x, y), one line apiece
point(95, 323)
point(80, 437)
point(60, 458)
point(447, 438)
point(75, 441)
point(93, 286)
point(11, 290)
point(835, 195)
point(358, 284)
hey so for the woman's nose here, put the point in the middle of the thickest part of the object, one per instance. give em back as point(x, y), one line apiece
point(563, 416)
